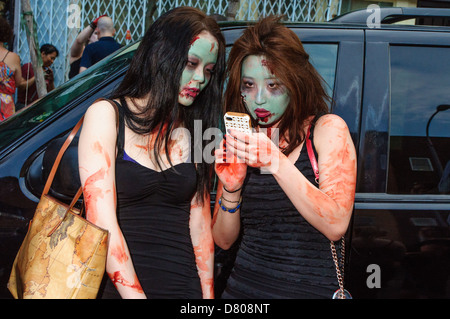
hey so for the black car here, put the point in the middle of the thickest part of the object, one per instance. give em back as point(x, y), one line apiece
point(389, 82)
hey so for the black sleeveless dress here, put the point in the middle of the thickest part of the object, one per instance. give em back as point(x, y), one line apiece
point(153, 210)
point(281, 256)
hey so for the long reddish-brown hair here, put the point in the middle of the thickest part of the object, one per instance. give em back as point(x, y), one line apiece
point(289, 62)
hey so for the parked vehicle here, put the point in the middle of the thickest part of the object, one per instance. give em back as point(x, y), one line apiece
point(390, 83)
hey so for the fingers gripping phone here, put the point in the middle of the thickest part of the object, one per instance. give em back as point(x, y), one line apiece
point(238, 121)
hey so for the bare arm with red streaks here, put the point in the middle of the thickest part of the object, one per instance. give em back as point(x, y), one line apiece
point(96, 157)
point(329, 207)
point(231, 173)
point(202, 241)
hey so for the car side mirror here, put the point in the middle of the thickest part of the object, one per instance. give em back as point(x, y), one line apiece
point(67, 178)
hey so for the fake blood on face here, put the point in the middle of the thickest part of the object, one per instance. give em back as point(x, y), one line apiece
point(263, 114)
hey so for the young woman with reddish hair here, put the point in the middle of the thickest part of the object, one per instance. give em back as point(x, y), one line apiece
point(267, 188)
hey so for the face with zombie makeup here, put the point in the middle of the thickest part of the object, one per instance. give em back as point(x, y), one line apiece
point(202, 57)
point(265, 97)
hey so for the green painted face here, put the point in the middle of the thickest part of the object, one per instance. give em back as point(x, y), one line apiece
point(202, 57)
point(266, 99)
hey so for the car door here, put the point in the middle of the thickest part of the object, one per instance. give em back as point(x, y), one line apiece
point(29, 142)
point(400, 236)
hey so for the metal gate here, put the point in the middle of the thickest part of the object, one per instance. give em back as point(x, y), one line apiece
point(59, 21)
point(294, 10)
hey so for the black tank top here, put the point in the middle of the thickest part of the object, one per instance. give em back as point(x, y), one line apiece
point(153, 210)
point(281, 255)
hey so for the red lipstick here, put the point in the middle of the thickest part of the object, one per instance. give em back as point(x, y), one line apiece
point(262, 113)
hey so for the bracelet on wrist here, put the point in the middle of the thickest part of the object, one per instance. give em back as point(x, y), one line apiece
point(230, 210)
point(231, 192)
point(231, 201)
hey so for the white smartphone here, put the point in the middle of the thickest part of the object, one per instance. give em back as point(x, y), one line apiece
point(238, 121)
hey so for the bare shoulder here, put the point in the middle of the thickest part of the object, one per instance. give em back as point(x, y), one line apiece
point(13, 56)
point(100, 111)
point(101, 116)
point(101, 106)
point(13, 59)
point(330, 122)
point(330, 130)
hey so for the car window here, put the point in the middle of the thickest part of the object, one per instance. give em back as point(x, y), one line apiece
point(419, 143)
point(26, 119)
point(324, 57)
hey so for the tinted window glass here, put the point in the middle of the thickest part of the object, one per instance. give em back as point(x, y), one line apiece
point(29, 117)
point(323, 57)
point(419, 151)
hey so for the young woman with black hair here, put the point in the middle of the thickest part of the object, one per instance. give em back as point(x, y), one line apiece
point(139, 182)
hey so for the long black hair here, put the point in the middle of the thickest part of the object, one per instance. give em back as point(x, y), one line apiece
point(155, 72)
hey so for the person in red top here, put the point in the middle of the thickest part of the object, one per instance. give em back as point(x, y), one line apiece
point(10, 72)
point(26, 96)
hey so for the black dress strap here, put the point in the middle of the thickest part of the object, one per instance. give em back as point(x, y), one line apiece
point(313, 123)
point(121, 133)
point(5, 56)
